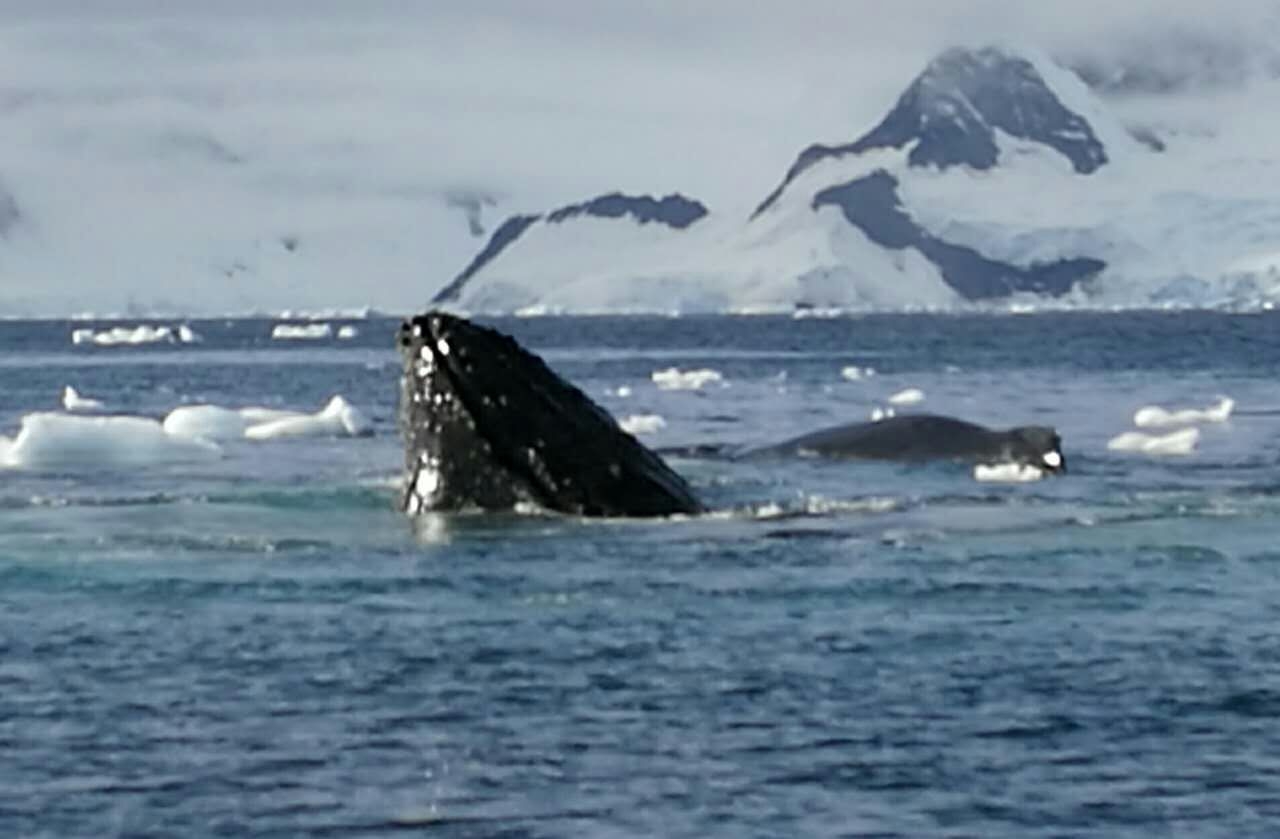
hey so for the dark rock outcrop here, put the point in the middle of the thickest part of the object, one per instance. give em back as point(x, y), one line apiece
point(674, 211)
point(952, 110)
point(872, 205)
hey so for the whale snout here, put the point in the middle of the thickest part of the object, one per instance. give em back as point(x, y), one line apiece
point(1041, 447)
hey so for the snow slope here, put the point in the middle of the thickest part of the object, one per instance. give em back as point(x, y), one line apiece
point(998, 178)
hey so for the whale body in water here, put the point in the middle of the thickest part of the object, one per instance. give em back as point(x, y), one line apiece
point(487, 425)
point(921, 437)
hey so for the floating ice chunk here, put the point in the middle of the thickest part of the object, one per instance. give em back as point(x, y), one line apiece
point(301, 332)
point(346, 333)
point(125, 336)
point(878, 413)
point(622, 392)
point(854, 373)
point(642, 423)
point(673, 378)
point(910, 396)
point(62, 440)
point(1009, 473)
point(134, 336)
point(206, 422)
point(1154, 416)
point(1182, 441)
point(257, 416)
point(338, 418)
point(73, 401)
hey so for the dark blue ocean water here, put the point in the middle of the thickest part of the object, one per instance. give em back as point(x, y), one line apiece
point(260, 645)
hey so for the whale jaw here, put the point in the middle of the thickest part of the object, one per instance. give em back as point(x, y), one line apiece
point(487, 425)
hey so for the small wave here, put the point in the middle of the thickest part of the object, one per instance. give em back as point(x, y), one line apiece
point(1012, 473)
point(817, 506)
point(370, 495)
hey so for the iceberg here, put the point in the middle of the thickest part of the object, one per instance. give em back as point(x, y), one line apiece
point(48, 440)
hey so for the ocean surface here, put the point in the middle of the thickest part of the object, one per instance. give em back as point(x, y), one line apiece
point(259, 644)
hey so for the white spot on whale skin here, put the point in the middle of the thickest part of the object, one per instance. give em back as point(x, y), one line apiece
point(1154, 416)
point(427, 483)
point(1052, 459)
point(1008, 473)
point(910, 396)
point(1179, 442)
point(442, 346)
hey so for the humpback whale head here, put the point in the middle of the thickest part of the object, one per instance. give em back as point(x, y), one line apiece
point(1036, 445)
point(487, 425)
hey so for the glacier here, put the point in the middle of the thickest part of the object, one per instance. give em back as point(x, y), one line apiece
point(998, 180)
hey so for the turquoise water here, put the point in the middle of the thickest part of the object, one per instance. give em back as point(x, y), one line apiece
point(259, 645)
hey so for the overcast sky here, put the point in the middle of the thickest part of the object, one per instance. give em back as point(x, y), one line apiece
point(139, 108)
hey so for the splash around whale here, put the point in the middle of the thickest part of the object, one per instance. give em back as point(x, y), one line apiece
point(487, 425)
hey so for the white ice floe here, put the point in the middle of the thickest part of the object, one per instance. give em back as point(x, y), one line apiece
point(1154, 416)
point(134, 336)
point(1180, 442)
point(642, 423)
point(257, 416)
point(854, 373)
point(1009, 473)
point(339, 418)
point(301, 331)
point(622, 392)
point(910, 396)
point(673, 378)
point(878, 413)
point(218, 424)
point(67, 441)
point(73, 401)
point(346, 333)
point(206, 422)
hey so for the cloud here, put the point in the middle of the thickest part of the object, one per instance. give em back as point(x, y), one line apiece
point(155, 146)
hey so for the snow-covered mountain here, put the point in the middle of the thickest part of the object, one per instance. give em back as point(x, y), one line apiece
point(997, 175)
